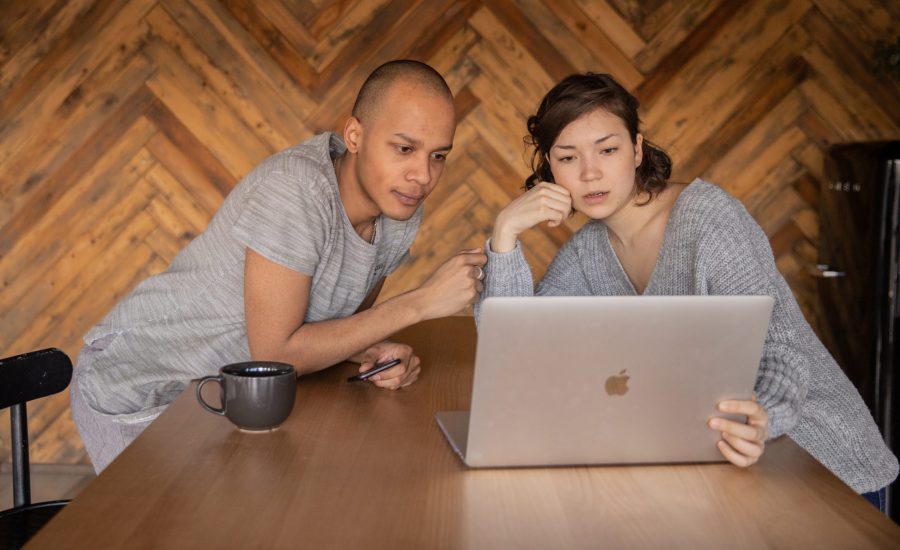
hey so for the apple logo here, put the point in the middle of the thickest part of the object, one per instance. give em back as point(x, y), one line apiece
point(617, 384)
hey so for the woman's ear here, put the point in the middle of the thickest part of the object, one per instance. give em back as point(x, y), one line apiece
point(638, 150)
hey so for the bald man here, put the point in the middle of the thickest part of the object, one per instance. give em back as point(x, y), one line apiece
point(289, 267)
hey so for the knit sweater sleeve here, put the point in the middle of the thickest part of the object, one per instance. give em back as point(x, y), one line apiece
point(739, 260)
point(508, 274)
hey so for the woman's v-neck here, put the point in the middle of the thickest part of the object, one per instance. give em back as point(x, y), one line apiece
point(663, 249)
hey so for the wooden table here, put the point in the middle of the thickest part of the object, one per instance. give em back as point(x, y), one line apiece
point(359, 467)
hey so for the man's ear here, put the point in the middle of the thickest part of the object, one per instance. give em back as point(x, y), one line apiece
point(353, 133)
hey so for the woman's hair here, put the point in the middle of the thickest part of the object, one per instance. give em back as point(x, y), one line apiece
point(579, 95)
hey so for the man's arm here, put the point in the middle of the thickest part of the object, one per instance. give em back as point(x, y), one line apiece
point(276, 299)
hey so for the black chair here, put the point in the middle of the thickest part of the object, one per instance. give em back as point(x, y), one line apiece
point(24, 378)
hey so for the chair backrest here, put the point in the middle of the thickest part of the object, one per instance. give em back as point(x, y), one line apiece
point(24, 378)
point(33, 375)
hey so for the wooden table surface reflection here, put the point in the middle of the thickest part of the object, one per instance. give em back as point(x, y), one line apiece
point(356, 467)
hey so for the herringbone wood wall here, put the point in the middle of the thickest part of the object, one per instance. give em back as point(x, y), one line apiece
point(123, 124)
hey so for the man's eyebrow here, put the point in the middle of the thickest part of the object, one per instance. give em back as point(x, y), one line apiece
point(418, 142)
point(598, 141)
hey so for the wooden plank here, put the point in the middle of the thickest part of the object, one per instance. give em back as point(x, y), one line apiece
point(89, 308)
point(807, 220)
point(666, 61)
point(686, 130)
point(714, 79)
point(812, 158)
point(325, 16)
point(57, 81)
point(453, 62)
point(28, 33)
point(807, 186)
point(522, 91)
point(190, 174)
point(345, 84)
point(873, 116)
point(500, 125)
point(820, 132)
point(574, 35)
point(357, 26)
point(72, 58)
point(93, 103)
point(64, 320)
point(531, 39)
point(163, 244)
point(230, 76)
point(764, 93)
point(273, 42)
point(384, 39)
point(235, 51)
point(771, 203)
point(257, 105)
point(446, 30)
point(35, 276)
point(58, 442)
point(614, 26)
point(288, 25)
point(88, 198)
point(852, 65)
point(741, 170)
point(843, 124)
point(864, 22)
point(184, 140)
point(646, 16)
point(213, 122)
point(78, 166)
point(693, 18)
point(180, 201)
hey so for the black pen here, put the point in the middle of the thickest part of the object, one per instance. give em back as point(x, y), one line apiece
point(374, 370)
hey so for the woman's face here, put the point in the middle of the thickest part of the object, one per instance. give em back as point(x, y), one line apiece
point(594, 159)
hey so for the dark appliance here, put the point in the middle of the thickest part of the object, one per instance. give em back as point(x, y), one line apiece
point(859, 209)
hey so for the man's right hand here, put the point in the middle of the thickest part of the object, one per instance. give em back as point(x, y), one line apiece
point(454, 286)
point(545, 202)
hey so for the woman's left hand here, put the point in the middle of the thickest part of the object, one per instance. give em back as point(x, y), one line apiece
point(742, 443)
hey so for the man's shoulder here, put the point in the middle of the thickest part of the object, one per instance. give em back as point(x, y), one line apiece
point(303, 171)
point(309, 160)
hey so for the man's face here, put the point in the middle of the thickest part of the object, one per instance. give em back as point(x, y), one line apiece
point(402, 147)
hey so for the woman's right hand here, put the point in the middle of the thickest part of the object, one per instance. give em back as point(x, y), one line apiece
point(545, 202)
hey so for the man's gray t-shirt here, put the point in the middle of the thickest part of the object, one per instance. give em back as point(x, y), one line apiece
point(189, 320)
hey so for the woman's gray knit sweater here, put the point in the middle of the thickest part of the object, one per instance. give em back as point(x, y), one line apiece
point(712, 246)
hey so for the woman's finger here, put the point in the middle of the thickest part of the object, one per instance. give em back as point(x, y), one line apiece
point(743, 431)
point(733, 456)
point(751, 449)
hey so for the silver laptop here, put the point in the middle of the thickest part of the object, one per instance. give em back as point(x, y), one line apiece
point(606, 380)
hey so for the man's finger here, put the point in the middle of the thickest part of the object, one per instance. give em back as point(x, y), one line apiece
point(471, 258)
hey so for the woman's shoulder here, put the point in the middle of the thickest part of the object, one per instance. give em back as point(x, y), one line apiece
point(704, 196)
point(705, 205)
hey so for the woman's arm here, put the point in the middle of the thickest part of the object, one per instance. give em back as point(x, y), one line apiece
point(741, 262)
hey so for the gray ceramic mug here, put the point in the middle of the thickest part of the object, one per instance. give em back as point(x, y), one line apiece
point(256, 395)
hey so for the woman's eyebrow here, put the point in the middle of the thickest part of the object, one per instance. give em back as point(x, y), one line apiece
point(598, 141)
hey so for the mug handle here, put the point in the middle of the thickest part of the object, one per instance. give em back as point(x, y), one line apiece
point(203, 403)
